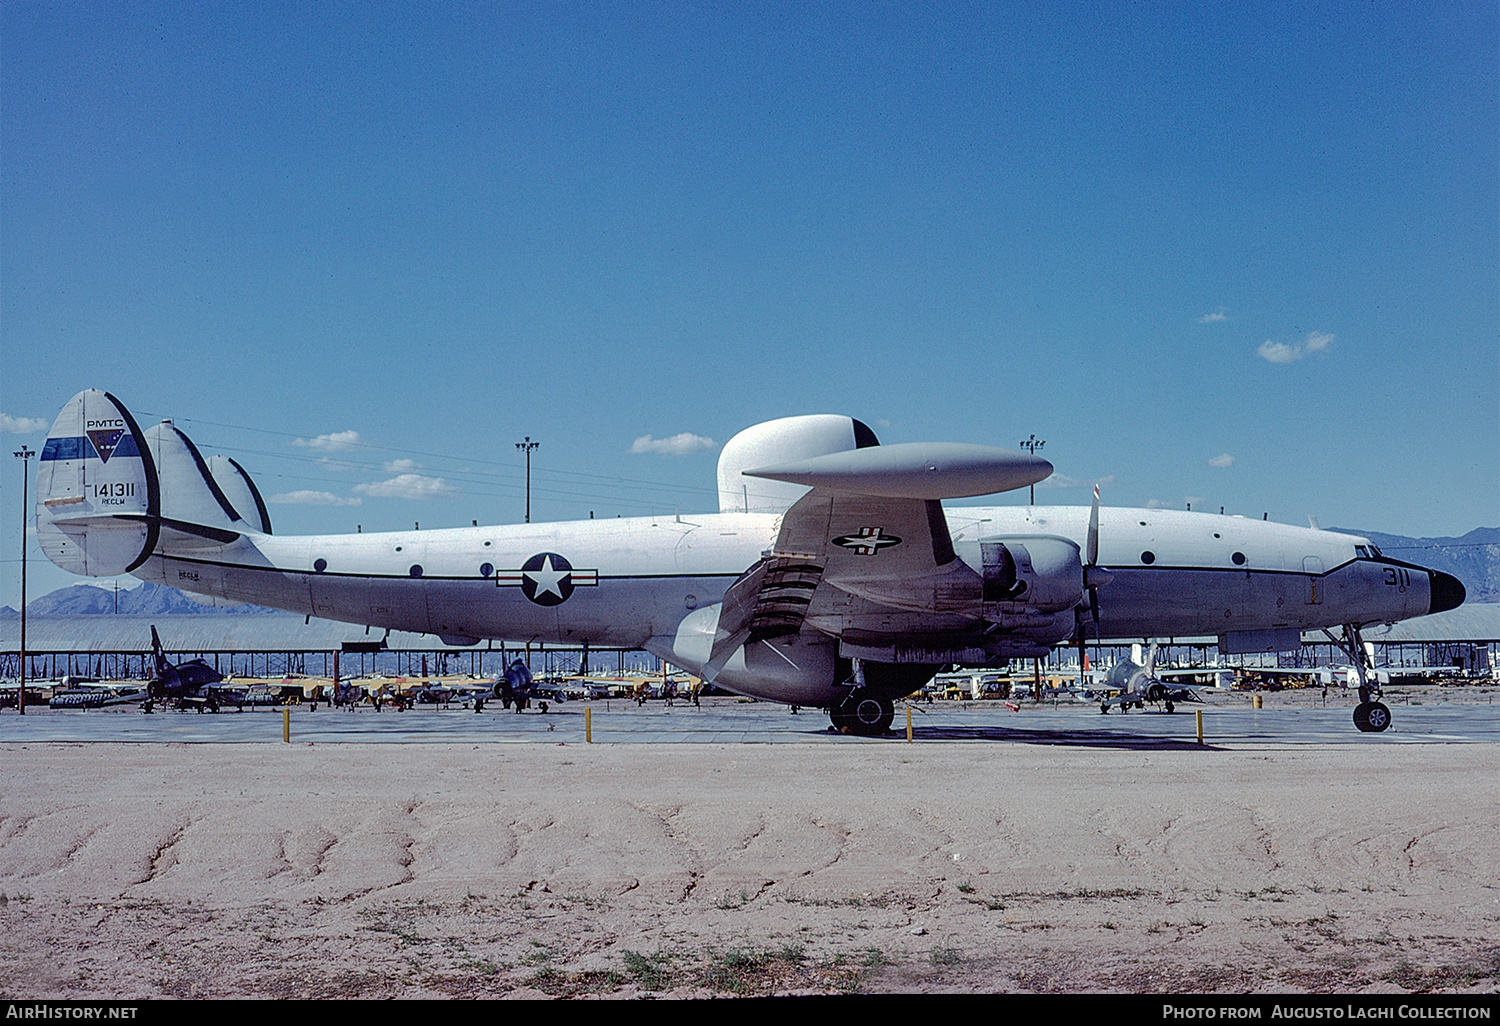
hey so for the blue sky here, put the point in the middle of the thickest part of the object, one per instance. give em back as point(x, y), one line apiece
point(1243, 255)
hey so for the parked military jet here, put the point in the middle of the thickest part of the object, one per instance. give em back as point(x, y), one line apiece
point(193, 684)
point(833, 575)
point(1130, 682)
point(516, 687)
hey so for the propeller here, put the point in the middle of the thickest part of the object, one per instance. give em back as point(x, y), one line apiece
point(1094, 577)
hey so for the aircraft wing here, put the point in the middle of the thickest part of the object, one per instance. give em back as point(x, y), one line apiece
point(866, 555)
point(853, 565)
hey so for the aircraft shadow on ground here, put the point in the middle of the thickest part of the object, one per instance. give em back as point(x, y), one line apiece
point(1066, 738)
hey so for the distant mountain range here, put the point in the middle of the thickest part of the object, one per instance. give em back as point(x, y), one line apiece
point(146, 600)
point(1473, 559)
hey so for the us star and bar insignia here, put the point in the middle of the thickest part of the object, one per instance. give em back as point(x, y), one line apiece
point(547, 579)
point(868, 541)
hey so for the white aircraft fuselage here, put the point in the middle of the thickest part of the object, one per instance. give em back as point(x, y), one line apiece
point(856, 580)
point(628, 583)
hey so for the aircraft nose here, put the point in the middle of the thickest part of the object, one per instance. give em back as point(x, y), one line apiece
point(1447, 591)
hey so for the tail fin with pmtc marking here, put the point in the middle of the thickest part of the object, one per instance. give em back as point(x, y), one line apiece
point(109, 494)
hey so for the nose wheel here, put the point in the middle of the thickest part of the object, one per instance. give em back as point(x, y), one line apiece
point(1372, 717)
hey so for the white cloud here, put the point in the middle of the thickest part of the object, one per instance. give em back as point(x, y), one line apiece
point(1064, 481)
point(401, 466)
point(1277, 352)
point(329, 463)
point(20, 425)
point(339, 441)
point(677, 445)
point(1222, 460)
point(311, 498)
point(1280, 352)
point(1221, 314)
point(408, 486)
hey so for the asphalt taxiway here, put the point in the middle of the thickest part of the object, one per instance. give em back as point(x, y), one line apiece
point(727, 721)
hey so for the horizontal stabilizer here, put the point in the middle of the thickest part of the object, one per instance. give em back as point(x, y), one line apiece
point(915, 470)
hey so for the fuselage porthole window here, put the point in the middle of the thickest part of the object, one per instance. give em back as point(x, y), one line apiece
point(1148, 557)
point(1238, 558)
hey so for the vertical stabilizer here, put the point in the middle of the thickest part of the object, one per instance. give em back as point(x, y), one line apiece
point(190, 495)
point(241, 492)
point(97, 490)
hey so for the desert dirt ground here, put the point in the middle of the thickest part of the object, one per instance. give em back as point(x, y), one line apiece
point(139, 871)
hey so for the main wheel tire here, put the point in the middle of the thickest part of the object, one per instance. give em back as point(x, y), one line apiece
point(873, 716)
point(864, 715)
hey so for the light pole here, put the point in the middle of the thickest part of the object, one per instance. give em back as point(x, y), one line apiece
point(25, 457)
point(1031, 445)
point(527, 446)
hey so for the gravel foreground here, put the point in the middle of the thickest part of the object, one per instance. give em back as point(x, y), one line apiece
point(550, 870)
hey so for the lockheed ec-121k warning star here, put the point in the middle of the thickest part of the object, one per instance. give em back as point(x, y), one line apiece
point(833, 576)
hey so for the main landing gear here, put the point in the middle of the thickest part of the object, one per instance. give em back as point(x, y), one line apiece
point(869, 707)
point(864, 715)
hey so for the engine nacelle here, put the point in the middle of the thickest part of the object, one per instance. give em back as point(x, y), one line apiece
point(1031, 585)
point(798, 669)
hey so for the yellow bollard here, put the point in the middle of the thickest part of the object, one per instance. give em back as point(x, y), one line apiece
point(1200, 726)
point(1255, 701)
point(588, 726)
point(908, 724)
point(286, 725)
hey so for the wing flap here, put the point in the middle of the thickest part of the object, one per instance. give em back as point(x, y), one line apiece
point(770, 600)
point(853, 566)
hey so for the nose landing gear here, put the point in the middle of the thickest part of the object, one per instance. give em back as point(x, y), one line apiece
point(1371, 716)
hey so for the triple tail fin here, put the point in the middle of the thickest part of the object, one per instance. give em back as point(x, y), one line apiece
point(108, 493)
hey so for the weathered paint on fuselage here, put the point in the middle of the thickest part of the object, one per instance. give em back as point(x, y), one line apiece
point(1194, 584)
point(1174, 574)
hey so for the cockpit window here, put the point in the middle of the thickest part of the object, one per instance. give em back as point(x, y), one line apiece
point(1374, 551)
point(1362, 551)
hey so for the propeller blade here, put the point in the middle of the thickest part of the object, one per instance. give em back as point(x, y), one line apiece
point(1093, 549)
